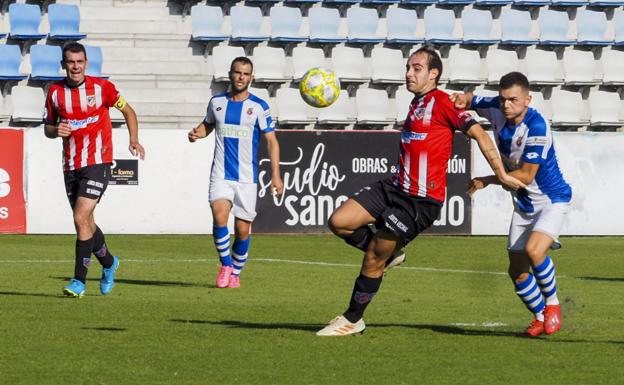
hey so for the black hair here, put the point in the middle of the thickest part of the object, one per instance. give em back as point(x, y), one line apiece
point(241, 59)
point(514, 79)
point(75, 48)
point(434, 62)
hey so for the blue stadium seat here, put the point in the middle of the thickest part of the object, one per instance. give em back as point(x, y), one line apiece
point(207, 23)
point(618, 26)
point(402, 26)
point(25, 20)
point(605, 4)
point(96, 59)
point(455, 2)
point(380, 1)
point(591, 28)
point(554, 27)
point(569, 3)
point(419, 2)
point(64, 22)
point(493, 2)
point(324, 25)
point(516, 26)
point(247, 24)
point(285, 24)
point(363, 23)
point(10, 60)
point(477, 25)
point(302, 1)
point(440, 26)
point(46, 62)
point(531, 3)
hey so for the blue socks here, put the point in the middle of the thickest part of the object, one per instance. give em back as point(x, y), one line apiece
point(221, 237)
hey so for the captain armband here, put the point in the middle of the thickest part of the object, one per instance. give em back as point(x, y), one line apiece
point(120, 103)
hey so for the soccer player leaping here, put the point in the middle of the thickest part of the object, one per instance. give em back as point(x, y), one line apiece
point(239, 117)
point(410, 201)
point(525, 140)
point(77, 112)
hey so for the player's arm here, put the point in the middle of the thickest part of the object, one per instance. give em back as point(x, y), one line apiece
point(487, 148)
point(132, 122)
point(201, 131)
point(277, 186)
point(62, 130)
point(462, 101)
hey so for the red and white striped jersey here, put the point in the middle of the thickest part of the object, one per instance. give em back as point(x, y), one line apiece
point(426, 144)
point(85, 108)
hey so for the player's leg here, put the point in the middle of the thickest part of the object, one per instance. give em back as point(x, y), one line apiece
point(244, 210)
point(221, 236)
point(524, 281)
point(544, 234)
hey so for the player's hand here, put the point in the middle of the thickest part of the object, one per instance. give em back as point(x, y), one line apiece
point(510, 183)
point(193, 135)
point(476, 184)
point(63, 130)
point(137, 150)
point(277, 186)
point(460, 100)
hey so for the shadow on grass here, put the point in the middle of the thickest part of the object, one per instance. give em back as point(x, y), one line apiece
point(21, 294)
point(105, 329)
point(602, 279)
point(142, 282)
point(444, 329)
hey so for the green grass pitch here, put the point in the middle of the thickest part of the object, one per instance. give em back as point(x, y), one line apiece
point(449, 316)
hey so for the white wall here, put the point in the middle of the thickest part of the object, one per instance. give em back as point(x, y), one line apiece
point(591, 163)
point(172, 195)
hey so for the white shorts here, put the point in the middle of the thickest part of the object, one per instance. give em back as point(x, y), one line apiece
point(242, 195)
point(548, 220)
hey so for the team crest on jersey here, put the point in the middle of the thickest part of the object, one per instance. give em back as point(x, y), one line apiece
point(91, 100)
point(249, 111)
point(519, 142)
point(419, 113)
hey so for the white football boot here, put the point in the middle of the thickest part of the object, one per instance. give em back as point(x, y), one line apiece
point(397, 258)
point(340, 326)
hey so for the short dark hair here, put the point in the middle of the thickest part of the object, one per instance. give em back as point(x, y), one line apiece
point(241, 59)
point(434, 62)
point(75, 48)
point(513, 79)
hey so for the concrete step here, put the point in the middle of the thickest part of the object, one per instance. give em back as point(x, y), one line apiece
point(129, 67)
point(197, 110)
point(123, 13)
point(114, 53)
point(173, 95)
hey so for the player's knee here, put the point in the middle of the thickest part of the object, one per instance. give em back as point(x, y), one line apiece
point(337, 227)
point(534, 251)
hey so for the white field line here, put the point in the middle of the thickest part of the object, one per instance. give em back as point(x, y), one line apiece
point(269, 260)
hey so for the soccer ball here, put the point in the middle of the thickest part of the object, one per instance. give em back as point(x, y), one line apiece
point(319, 87)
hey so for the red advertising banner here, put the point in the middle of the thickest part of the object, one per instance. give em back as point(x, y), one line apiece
point(12, 204)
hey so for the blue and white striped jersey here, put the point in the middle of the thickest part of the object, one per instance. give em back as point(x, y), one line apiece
point(237, 135)
point(532, 142)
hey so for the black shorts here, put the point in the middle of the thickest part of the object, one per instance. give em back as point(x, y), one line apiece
point(89, 182)
point(396, 211)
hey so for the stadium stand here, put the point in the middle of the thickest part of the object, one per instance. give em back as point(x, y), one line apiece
point(10, 61)
point(157, 54)
point(304, 58)
point(440, 26)
point(291, 109)
point(516, 27)
point(45, 61)
point(363, 24)
point(247, 24)
point(28, 104)
point(325, 25)
point(477, 25)
point(387, 66)
point(569, 3)
point(554, 28)
point(402, 26)
point(64, 20)
point(349, 64)
point(568, 109)
point(25, 20)
point(207, 23)
point(592, 28)
point(286, 25)
point(605, 109)
point(270, 65)
point(402, 101)
point(374, 107)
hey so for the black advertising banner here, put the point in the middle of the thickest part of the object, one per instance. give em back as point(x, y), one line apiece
point(124, 172)
point(321, 169)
